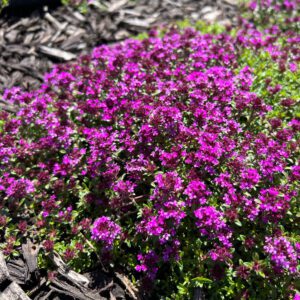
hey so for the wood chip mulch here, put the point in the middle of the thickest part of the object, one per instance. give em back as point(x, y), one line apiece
point(31, 44)
point(21, 279)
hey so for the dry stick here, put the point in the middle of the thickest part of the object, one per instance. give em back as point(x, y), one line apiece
point(73, 284)
point(133, 202)
point(22, 69)
point(65, 292)
point(31, 292)
point(13, 292)
point(95, 250)
point(134, 199)
point(128, 285)
point(117, 5)
point(108, 286)
point(58, 33)
point(57, 53)
point(46, 297)
point(4, 273)
point(111, 296)
point(54, 21)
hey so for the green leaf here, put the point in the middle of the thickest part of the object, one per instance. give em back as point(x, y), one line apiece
point(261, 273)
point(202, 280)
point(238, 223)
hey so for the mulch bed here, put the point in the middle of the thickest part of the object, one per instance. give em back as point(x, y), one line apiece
point(20, 279)
point(30, 43)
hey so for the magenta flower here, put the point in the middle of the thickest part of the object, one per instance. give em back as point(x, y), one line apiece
point(250, 177)
point(19, 188)
point(105, 230)
point(282, 253)
point(197, 192)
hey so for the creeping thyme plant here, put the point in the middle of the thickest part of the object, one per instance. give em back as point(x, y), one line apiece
point(174, 158)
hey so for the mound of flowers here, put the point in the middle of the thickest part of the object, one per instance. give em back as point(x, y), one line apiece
point(169, 158)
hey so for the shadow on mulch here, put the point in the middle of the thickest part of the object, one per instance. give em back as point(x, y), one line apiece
point(24, 8)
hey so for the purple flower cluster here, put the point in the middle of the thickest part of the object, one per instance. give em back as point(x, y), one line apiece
point(105, 230)
point(276, 5)
point(148, 263)
point(18, 188)
point(210, 223)
point(282, 253)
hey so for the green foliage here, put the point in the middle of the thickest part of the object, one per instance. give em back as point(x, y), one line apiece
point(81, 5)
point(3, 4)
point(202, 26)
point(265, 70)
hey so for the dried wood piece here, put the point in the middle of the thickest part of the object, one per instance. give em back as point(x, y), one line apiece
point(11, 36)
point(107, 287)
point(24, 22)
point(212, 16)
point(13, 292)
point(119, 292)
point(15, 49)
point(140, 23)
point(73, 41)
point(111, 296)
point(71, 29)
point(47, 296)
point(39, 286)
point(63, 269)
point(115, 6)
point(34, 28)
point(53, 21)
point(28, 61)
point(65, 288)
point(58, 33)
point(69, 19)
point(131, 289)
point(26, 70)
point(79, 16)
point(18, 271)
point(174, 3)
point(4, 274)
point(72, 283)
point(232, 2)
point(30, 253)
point(132, 12)
point(15, 77)
point(57, 53)
point(38, 36)
point(28, 39)
point(121, 34)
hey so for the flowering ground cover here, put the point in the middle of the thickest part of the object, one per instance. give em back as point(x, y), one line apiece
point(175, 158)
